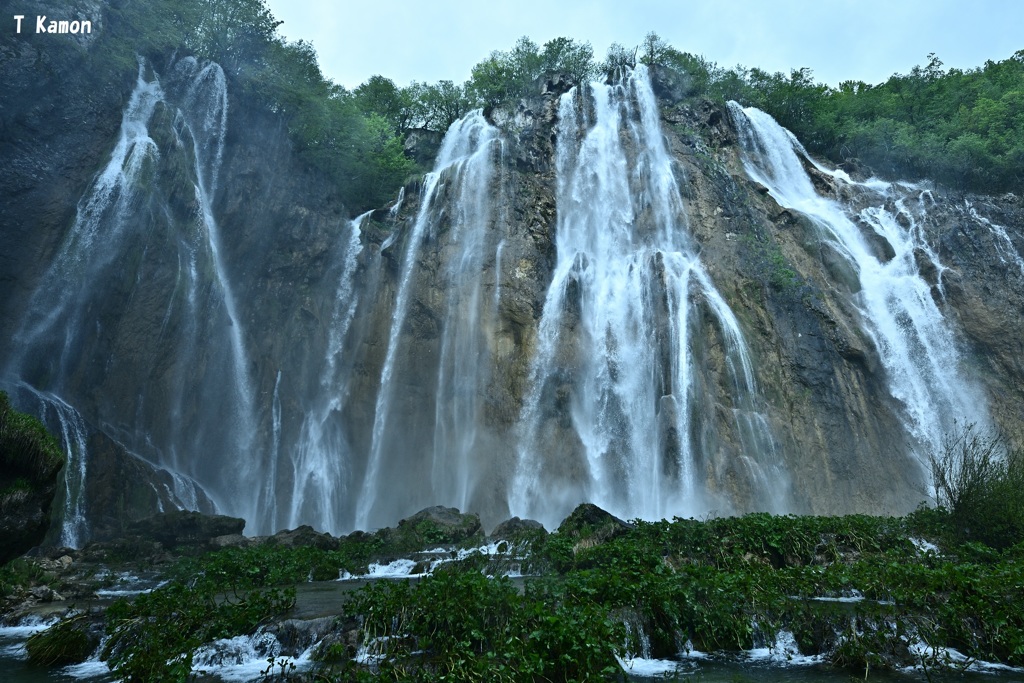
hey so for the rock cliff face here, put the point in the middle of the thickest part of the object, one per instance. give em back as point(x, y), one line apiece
point(612, 293)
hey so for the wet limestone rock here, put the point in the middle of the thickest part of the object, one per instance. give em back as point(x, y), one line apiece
point(184, 528)
point(515, 527)
point(590, 526)
point(435, 525)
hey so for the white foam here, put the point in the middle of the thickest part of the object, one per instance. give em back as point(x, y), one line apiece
point(785, 651)
point(403, 568)
point(26, 627)
point(924, 547)
point(955, 658)
point(650, 668)
point(17, 651)
point(246, 658)
point(397, 569)
point(92, 668)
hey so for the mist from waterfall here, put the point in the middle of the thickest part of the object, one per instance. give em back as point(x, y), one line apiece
point(897, 306)
point(615, 412)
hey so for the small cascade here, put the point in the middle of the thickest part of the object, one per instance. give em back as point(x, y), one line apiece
point(1005, 248)
point(319, 461)
point(615, 377)
point(897, 306)
point(463, 176)
point(67, 424)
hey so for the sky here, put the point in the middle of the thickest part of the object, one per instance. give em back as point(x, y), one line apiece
point(866, 40)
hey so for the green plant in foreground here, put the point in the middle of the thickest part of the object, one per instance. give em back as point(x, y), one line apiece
point(66, 642)
point(458, 625)
point(979, 478)
point(720, 585)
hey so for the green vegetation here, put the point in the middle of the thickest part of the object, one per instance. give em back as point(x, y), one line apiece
point(963, 129)
point(979, 478)
point(960, 128)
point(17, 574)
point(67, 642)
point(27, 450)
point(355, 137)
point(154, 637)
point(719, 585)
point(30, 457)
point(461, 625)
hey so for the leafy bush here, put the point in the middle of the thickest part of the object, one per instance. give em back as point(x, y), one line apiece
point(979, 478)
point(459, 625)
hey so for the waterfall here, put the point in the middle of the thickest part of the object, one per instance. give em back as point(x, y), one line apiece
point(135, 322)
point(615, 377)
point(319, 460)
point(73, 433)
point(455, 208)
point(1004, 247)
point(55, 312)
point(897, 307)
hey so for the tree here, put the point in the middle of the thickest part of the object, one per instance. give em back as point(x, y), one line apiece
point(653, 50)
point(229, 31)
point(379, 95)
point(506, 75)
point(619, 57)
point(442, 104)
point(565, 56)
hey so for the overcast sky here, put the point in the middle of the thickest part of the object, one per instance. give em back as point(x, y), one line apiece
point(866, 40)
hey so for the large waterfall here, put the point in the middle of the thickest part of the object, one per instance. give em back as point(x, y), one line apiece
point(572, 306)
point(898, 308)
point(432, 462)
point(617, 414)
point(104, 315)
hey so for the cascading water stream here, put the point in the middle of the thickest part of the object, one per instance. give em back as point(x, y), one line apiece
point(319, 460)
point(898, 311)
point(205, 110)
point(180, 377)
point(73, 432)
point(1005, 248)
point(465, 169)
point(615, 368)
point(56, 310)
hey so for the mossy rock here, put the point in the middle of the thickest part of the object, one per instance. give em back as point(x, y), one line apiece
point(432, 527)
point(592, 525)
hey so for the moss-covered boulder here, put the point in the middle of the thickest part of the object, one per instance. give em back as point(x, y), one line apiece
point(30, 461)
point(589, 525)
point(432, 527)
